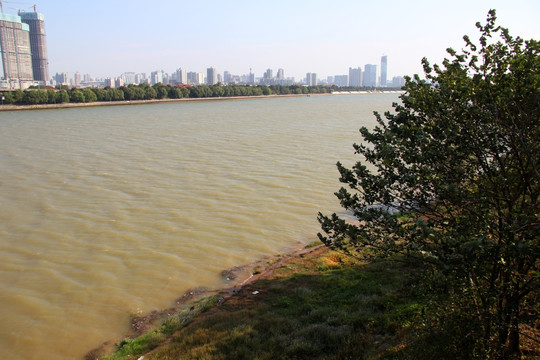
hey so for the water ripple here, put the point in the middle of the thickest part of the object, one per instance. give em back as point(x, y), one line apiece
point(107, 211)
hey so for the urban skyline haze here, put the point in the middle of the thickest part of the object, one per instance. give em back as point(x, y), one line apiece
point(105, 38)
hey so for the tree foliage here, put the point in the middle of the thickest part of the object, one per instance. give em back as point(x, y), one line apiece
point(451, 179)
point(147, 92)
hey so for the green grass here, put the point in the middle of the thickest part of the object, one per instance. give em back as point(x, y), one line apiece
point(327, 307)
point(131, 348)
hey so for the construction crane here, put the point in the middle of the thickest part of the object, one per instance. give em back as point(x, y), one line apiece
point(11, 2)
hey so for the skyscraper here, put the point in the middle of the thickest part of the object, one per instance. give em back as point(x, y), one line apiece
point(311, 79)
point(156, 77)
point(370, 75)
point(227, 77)
point(341, 80)
point(211, 76)
point(384, 66)
point(181, 76)
point(15, 53)
point(355, 77)
point(38, 44)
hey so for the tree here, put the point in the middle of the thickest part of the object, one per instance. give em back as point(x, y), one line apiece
point(77, 96)
point(62, 96)
point(8, 97)
point(161, 90)
point(175, 93)
point(18, 96)
point(51, 96)
point(33, 97)
point(455, 185)
point(150, 93)
point(89, 95)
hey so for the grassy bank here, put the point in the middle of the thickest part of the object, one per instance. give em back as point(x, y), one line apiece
point(317, 305)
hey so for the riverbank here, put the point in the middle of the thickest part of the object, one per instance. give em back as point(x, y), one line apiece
point(312, 303)
point(144, 102)
point(165, 101)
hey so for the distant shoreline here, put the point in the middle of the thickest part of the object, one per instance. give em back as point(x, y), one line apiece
point(165, 101)
point(142, 102)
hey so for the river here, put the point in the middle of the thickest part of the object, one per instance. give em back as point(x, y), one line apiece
point(109, 211)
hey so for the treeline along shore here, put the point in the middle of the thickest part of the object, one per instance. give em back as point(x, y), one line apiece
point(142, 93)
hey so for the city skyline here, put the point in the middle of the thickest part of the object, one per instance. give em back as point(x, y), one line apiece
point(106, 39)
point(371, 76)
point(327, 64)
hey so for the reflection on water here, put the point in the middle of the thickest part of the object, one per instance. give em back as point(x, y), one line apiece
point(108, 211)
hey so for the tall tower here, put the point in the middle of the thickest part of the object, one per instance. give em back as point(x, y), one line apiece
point(370, 75)
point(211, 76)
point(15, 54)
point(355, 77)
point(181, 76)
point(311, 79)
point(38, 44)
point(384, 66)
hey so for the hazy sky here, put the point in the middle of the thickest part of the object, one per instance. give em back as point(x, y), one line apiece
point(108, 37)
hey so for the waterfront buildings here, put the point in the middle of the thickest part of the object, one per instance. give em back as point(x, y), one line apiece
point(370, 75)
point(16, 55)
point(311, 79)
point(156, 77)
point(355, 77)
point(280, 75)
point(384, 67)
point(195, 78)
point(180, 76)
point(38, 44)
point(398, 81)
point(341, 80)
point(23, 50)
point(211, 76)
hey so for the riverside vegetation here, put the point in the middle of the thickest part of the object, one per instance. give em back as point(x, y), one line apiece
point(443, 261)
point(63, 94)
point(457, 189)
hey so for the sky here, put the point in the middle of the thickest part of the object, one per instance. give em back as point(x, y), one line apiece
point(105, 38)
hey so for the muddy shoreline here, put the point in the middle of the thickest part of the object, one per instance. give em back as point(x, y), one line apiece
point(238, 278)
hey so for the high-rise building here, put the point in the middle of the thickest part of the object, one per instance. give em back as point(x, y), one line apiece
point(227, 77)
point(398, 81)
point(140, 78)
point(62, 79)
point(195, 78)
point(251, 79)
point(211, 76)
point(38, 44)
point(15, 53)
point(311, 79)
point(156, 77)
point(355, 77)
point(77, 79)
point(128, 78)
point(269, 74)
point(181, 76)
point(341, 80)
point(268, 77)
point(370, 75)
point(280, 75)
point(384, 68)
